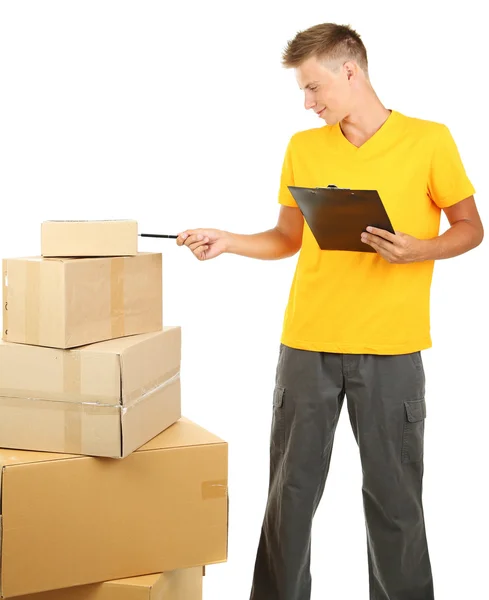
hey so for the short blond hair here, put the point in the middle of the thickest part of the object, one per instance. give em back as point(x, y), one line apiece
point(329, 43)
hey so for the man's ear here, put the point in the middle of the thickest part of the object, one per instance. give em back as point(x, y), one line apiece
point(350, 69)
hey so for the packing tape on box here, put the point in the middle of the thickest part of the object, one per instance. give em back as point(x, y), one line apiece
point(73, 429)
point(71, 389)
point(139, 394)
point(76, 419)
point(217, 488)
point(66, 389)
point(74, 424)
point(117, 297)
point(65, 397)
point(71, 373)
point(32, 301)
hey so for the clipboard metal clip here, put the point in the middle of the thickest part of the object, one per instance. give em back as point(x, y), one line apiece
point(331, 186)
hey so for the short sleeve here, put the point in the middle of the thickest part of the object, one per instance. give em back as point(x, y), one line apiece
point(287, 178)
point(448, 182)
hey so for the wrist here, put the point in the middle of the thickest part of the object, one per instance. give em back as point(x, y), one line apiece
point(229, 242)
point(429, 249)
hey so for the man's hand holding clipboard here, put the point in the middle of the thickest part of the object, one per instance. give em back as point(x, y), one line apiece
point(354, 220)
point(398, 248)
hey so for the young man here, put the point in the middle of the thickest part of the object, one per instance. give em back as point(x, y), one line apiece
point(356, 321)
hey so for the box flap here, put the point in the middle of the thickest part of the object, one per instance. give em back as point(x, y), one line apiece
point(134, 588)
point(69, 427)
point(66, 258)
point(41, 373)
point(89, 221)
point(182, 433)
point(143, 581)
point(119, 345)
point(23, 457)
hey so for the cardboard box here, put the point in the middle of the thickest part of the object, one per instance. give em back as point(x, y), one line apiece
point(73, 520)
point(182, 584)
point(69, 302)
point(89, 238)
point(104, 399)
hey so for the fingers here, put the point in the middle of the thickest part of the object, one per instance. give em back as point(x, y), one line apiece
point(197, 242)
point(379, 245)
point(387, 235)
point(204, 243)
point(381, 251)
point(387, 254)
point(194, 241)
point(200, 252)
point(191, 239)
point(375, 240)
point(182, 237)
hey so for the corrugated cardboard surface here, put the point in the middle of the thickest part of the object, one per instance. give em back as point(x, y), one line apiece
point(72, 520)
point(89, 238)
point(104, 399)
point(64, 303)
point(182, 584)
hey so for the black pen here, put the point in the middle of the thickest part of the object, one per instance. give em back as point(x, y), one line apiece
point(158, 235)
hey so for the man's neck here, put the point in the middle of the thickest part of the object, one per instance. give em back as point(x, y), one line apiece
point(359, 126)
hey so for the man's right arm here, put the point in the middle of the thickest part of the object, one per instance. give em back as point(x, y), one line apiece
point(284, 240)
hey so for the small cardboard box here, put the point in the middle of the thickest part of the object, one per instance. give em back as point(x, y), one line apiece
point(182, 584)
point(89, 238)
point(74, 520)
point(69, 302)
point(104, 399)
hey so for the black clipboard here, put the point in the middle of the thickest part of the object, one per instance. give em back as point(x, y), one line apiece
point(338, 216)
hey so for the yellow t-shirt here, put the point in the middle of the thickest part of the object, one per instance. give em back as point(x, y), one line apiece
point(357, 302)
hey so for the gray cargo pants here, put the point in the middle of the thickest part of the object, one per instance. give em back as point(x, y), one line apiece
point(386, 405)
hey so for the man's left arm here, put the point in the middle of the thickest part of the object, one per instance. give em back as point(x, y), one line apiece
point(465, 233)
point(447, 182)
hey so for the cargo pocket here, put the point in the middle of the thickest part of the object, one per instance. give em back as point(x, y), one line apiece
point(413, 434)
point(278, 420)
point(417, 360)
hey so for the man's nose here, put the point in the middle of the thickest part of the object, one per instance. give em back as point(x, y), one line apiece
point(309, 102)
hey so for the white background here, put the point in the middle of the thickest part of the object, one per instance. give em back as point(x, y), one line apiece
point(177, 115)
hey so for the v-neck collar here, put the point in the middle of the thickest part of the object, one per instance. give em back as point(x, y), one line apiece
point(371, 143)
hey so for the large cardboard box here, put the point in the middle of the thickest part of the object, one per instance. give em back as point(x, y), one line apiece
point(65, 302)
point(104, 399)
point(182, 584)
point(73, 520)
point(89, 238)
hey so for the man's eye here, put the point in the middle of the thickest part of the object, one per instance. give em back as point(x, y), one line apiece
point(313, 89)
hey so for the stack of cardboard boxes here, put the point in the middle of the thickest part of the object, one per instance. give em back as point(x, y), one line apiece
point(106, 491)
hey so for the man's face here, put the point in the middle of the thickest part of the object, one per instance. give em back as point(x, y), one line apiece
point(328, 93)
